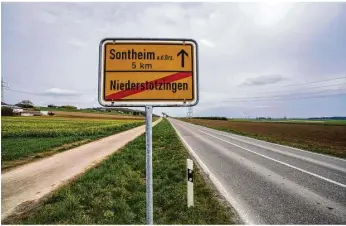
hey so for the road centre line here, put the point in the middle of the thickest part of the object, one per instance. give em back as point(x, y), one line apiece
point(283, 163)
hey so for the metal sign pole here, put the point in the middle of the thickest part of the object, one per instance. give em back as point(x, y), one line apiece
point(149, 163)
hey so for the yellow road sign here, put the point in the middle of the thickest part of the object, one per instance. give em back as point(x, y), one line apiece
point(156, 72)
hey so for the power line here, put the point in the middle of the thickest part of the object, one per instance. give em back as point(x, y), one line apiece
point(289, 98)
point(284, 95)
point(18, 91)
point(37, 94)
point(189, 112)
point(311, 82)
point(278, 98)
point(279, 91)
point(297, 84)
point(236, 99)
point(3, 86)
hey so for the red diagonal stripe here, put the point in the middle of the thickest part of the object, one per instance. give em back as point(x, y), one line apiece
point(167, 79)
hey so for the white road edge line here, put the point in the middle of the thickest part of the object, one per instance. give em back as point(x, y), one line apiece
point(283, 163)
point(216, 182)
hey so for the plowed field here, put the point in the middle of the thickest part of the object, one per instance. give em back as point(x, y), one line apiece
point(328, 139)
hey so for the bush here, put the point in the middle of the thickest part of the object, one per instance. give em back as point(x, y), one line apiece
point(69, 107)
point(6, 111)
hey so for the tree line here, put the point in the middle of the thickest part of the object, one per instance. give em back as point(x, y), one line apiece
point(211, 118)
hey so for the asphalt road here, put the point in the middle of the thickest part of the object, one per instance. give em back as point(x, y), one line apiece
point(268, 183)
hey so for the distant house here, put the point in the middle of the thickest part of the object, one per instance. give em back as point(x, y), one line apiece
point(17, 110)
point(26, 114)
point(3, 104)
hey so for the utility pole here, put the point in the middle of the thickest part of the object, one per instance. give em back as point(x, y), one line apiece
point(3, 85)
point(189, 112)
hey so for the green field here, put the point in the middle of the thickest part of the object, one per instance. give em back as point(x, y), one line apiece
point(117, 111)
point(81, 110)
point(114, 192)
point(28, 138)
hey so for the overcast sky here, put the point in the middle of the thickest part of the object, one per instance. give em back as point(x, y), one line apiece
point(251, 55)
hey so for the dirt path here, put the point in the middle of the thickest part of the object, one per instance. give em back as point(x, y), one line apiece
point(29, 183)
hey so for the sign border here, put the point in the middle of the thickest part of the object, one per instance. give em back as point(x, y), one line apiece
point(144, 102)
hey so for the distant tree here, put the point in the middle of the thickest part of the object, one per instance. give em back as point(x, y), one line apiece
point(6, 111)
point(51, 106)
point(69, 107)
point(212, 118)
point(25, 104)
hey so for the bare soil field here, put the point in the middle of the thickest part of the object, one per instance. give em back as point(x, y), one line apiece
point(327, 139)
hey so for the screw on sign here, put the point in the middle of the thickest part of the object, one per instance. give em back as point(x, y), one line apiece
point(148, 73)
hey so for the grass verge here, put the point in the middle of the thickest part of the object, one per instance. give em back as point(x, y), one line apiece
point(114, 191)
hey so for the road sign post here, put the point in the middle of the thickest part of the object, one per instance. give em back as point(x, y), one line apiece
point(148, 73)
point(149, 163)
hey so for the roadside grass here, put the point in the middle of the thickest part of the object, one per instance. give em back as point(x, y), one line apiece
point(114, 192)
point(26, 139)
point(325, 138)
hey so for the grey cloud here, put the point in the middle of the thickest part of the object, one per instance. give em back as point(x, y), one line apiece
point(48, 17)
point(56, 92)
point(263, 80)
point(207, 43)
point(76, 43)
point(170, 22)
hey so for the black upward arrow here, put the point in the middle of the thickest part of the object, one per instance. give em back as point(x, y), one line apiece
point(182, 53)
